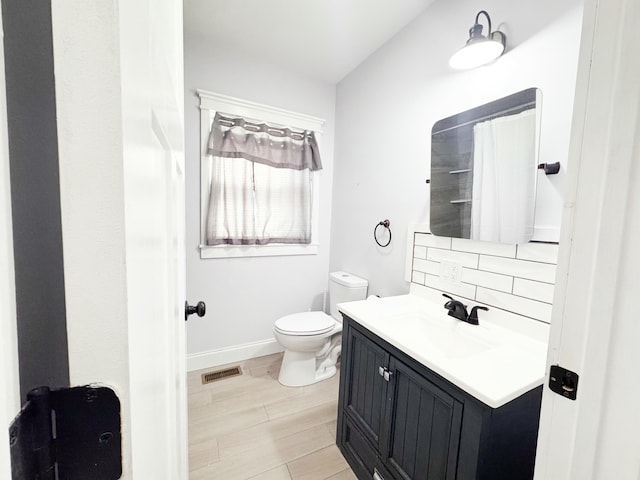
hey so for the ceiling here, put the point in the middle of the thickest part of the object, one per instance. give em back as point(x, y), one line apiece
point(321, 39)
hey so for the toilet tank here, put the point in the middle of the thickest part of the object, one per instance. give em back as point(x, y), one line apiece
point(345, 287)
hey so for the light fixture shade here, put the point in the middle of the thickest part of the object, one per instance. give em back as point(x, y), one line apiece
point(479, 50)
point(475, 54)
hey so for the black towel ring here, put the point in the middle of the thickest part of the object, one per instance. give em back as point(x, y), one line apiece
point(385, 224)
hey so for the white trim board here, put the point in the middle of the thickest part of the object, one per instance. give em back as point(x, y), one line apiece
point(236, 353)
point(269, 250)
point(237, 106)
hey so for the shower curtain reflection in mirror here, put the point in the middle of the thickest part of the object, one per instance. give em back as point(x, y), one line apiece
point(504, 179)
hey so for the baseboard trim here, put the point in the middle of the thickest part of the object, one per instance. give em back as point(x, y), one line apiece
point(236, 353)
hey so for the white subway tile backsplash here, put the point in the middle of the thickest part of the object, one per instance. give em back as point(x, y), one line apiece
point(538, 252)
point(463, 289)
point(469, 260)
point(486, 248)
point(523, 306)
point(428, 240)
point(535, 290)
point(417, 277)
point(486, 279)
point(426, 266)
point(543, 272)
point(419, 252)
point(516, 280)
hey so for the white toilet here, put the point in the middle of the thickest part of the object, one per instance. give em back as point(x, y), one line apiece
point(313, 340)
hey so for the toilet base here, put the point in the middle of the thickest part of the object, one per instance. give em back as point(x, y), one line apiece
point(304, 368)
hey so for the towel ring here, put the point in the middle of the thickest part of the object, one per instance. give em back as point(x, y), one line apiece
point(385, 224)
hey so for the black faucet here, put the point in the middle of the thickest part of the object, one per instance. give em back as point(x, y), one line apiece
point(473, 316)
point(458, 310)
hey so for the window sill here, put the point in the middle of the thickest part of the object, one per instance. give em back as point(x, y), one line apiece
point(272, 250)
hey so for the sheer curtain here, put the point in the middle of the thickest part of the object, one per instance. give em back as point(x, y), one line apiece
point(261, 183)
point(504, 179)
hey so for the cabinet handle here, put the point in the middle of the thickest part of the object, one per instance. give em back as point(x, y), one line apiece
point(387, 374)
point(381, 371)
point(376, 475)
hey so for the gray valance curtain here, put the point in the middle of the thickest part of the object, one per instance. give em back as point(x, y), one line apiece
point(261, 183)
point(279, 147)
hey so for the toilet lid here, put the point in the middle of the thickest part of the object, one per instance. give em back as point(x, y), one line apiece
point(306, 323)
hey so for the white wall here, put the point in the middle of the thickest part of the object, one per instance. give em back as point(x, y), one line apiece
point(244, 296)
point(388, 105)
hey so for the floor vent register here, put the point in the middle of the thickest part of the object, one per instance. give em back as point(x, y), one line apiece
point(216, 375)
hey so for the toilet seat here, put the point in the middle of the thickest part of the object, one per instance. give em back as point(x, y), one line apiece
point(305, 323)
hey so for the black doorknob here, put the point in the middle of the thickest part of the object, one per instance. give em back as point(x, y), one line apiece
point(200, 309)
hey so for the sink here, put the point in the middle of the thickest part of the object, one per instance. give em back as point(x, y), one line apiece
point(443, 335)
point(495, 361)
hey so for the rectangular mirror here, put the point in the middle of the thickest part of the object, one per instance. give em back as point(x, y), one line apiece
point(484, 170)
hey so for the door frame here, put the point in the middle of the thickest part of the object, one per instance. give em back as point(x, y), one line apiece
point(103, 115)
point(591, 300)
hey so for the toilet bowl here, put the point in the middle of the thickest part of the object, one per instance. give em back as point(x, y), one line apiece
point(312, 341)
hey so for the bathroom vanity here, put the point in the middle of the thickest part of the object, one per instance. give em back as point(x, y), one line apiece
point(425, 396)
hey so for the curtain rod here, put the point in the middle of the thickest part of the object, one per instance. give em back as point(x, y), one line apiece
point(258, 127)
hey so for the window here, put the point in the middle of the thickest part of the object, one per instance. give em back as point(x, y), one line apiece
point(259, 175)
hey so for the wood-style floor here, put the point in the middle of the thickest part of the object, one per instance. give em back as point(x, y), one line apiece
point(251, 427)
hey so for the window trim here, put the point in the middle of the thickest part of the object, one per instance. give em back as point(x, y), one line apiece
point(211, 102)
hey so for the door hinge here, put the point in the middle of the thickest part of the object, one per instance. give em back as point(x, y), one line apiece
point(67, 434)
point(563, 382)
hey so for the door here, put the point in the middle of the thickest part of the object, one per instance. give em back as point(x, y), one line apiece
point(365, 396)
point(153, 122)
point(119, 98)
point(595, 329)
point(10, 396)
point(424, 427)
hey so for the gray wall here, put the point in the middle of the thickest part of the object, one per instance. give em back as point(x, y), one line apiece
point(386, 108)
point(35, 194)
point(245, 296)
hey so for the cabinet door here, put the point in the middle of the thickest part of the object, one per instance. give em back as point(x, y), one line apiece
point(364, 398)
point(424, 427)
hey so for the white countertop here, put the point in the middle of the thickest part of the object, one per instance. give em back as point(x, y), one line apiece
point(490, 362)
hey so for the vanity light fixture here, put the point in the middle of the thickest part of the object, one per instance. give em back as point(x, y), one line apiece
point(479, 49)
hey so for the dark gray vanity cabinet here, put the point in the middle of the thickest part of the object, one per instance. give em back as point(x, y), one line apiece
point(400, 420)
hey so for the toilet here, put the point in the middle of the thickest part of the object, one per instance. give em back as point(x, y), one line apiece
point(312, 341)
